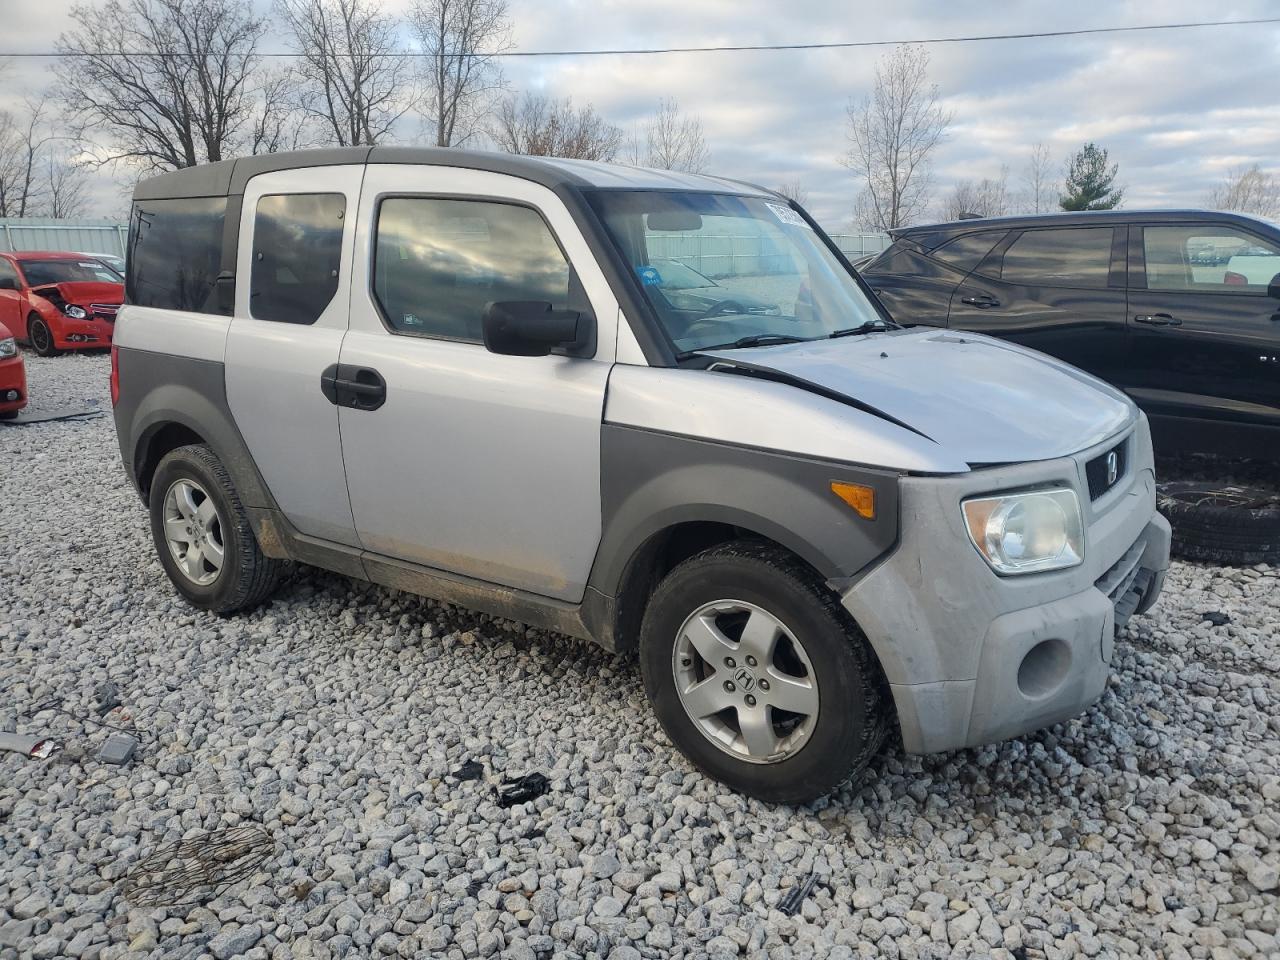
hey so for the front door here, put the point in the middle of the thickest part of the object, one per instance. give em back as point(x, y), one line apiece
point(1058, 290)
point(297, 233)
point(1206, 335)
point(467, 461)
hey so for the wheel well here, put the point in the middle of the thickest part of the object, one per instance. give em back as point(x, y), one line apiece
point(153, 448)
point(661, 554)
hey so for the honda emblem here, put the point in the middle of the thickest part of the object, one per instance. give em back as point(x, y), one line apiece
point(1113, 467)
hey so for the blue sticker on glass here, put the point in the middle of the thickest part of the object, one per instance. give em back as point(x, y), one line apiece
point(649, 276)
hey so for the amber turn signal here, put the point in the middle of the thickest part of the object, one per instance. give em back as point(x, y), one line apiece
point(862, 498)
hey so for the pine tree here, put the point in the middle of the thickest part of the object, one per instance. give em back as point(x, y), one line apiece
point(1090, 183)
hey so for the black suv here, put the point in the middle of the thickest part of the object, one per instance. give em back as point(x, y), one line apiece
point(1178, 308)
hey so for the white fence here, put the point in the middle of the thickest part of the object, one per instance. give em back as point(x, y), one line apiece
point(78, 236)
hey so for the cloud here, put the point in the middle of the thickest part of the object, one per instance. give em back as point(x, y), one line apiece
point(1176, 109)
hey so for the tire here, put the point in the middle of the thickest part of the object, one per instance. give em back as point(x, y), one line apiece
point(41, 337)
point(1222, 524)
point(10, 415)
point(814, 754)
point(242, 577)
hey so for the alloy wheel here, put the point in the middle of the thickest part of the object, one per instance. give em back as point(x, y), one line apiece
point(193, 530)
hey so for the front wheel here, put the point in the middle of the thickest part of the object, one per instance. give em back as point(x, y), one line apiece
point(41, 337)
point(202, 534)
point(759, 676)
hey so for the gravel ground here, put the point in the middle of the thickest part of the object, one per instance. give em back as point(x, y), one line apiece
point(332, 717)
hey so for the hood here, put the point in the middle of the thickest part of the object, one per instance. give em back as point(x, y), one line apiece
point(83, 292)
point(984, 400)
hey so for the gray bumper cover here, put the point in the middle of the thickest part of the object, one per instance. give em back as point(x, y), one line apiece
point(953, 636)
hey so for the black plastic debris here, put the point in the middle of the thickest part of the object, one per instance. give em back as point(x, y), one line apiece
point(471, 770)
point(106, 697)
point(1216, 617)
point(118, 749)
point(521, 789)
point(793, 899)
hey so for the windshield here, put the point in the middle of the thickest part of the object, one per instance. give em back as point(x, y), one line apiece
point(762, 273)
point(40, 272)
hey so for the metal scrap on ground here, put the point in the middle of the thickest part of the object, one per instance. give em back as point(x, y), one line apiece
point(198, 868)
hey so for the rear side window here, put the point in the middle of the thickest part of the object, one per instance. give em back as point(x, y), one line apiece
point(175, 254)
point(297, 255)
point(1208, 258)
point(439, 263)
point(965, 253)
point(1068, 258)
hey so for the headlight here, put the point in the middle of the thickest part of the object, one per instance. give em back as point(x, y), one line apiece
point(8, 347)
point(1027, 532)
point(74, 312)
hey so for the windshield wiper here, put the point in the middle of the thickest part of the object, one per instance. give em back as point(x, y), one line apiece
point(759, 340)
point(867, 326)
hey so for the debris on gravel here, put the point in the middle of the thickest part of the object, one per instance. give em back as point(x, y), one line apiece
point(334, 717)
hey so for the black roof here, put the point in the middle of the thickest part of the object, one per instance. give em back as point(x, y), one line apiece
point(228, 177)
point(931, 234)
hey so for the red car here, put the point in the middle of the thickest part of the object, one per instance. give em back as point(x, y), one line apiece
point(59, 301)
point(13, 376)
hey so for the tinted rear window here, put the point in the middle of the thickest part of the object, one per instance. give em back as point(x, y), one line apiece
point(297, 255)
point(1071, 258)
point(175, 253)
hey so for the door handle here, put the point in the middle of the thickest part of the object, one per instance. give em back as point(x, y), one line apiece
point(1158, 320)
point(347, 385)
point(981, 302)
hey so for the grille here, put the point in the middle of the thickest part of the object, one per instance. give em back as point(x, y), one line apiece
point(104, 311)
point(1097, 473)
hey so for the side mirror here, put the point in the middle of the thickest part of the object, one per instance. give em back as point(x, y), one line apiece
point(1273, 288)
point(530, 328)
point(8, 283)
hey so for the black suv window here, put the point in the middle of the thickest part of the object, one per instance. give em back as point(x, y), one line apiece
point(1208, 258)
point(965, 253)
point(175, 253)
point(439, 263)
point(297, 255)
point(1077, 257)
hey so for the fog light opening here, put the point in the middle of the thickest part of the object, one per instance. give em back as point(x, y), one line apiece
point(1044, 668)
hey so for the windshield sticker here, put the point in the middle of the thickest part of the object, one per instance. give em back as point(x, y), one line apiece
point(787, 215)
point(649, 276)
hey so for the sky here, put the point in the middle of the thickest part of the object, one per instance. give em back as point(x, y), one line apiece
point(1177, 110)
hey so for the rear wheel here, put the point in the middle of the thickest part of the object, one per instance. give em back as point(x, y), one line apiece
point(41, 337)
point(759, 676)
point(202, 534)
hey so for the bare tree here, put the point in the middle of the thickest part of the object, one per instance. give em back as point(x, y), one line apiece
point(1041, 191)
point(162, 83)
point(672, 141)
point(459, 38)
point(892, 134)
point(988, 197)
point(66, 186)
point(277, 124)
point(541, 127)
point(23, 140)
point(794, 190)
point(354, 80)
point(1252, 190)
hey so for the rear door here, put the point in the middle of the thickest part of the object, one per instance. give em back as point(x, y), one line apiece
point(466, 461)
point(297, 232)
point(1206, 335)
point(1057, 289)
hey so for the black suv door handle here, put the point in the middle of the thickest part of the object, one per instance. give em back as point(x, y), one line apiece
point(1158, 320)
point(346, 385)
point(981, 302)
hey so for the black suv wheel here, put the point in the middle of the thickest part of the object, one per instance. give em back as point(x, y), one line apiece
point(203, 536)
point(759, 676)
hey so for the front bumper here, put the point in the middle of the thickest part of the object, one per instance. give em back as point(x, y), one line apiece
point(13, 380)
point(71, 334)
point(973, 657)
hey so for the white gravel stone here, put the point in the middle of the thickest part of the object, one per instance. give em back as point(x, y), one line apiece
point(333, 716)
